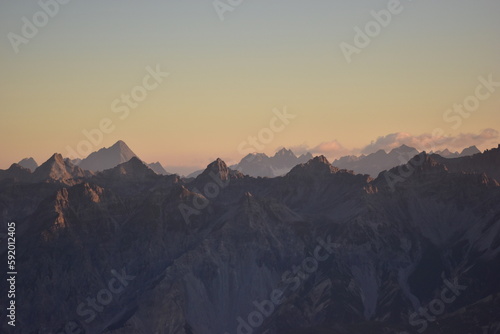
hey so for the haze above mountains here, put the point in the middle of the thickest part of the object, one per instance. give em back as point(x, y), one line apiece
point(260, 164)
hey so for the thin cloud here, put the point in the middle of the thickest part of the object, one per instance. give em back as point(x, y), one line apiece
point(329, 149)
point(425, 142)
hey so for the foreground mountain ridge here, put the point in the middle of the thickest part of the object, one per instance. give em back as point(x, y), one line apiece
point(206, 254)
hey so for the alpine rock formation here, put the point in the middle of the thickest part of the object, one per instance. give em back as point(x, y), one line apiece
point(318, 250)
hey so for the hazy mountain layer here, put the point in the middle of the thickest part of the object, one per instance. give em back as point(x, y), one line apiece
point(373, 164)
point(107, 158)
point(259, 164)
point(29, 163)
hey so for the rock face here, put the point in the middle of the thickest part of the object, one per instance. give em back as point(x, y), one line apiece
point(318, 250)
point(56, 169)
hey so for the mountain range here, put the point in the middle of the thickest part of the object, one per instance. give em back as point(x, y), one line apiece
point(318, 250)
point(465, 152)
point(260, 164)
point(374, 163)
point(103, 159)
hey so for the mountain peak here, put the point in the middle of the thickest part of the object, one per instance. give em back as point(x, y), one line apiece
point(29, 163)
point(404, 149)
point(120, 144)
point(420, 165)
point(253, 157)
point(135, 161)
point(219, 168)
point(218, 165)
point(57, 169)
point(17, 167)
point(321, 159)
point(380, 153)
point(16, 172)
point(317, 165)
point(261, 165)
point(470, 151)
point(107, 158)
point(56, 157)
point(134, 168)
point(158, 168)
point(285, 153)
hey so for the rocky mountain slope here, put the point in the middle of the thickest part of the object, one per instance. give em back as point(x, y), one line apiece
point(487, 162)
point(318, 250)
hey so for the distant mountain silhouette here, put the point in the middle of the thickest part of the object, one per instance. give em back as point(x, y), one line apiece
point(259, 164)
point(113, 156)
point(486, 162)
point(29, 163)
point(107, 158)
point(158, 168)
point(373, 164)
point(465, 152)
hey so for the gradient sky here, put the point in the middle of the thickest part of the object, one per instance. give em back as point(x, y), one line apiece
point(227, 76)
